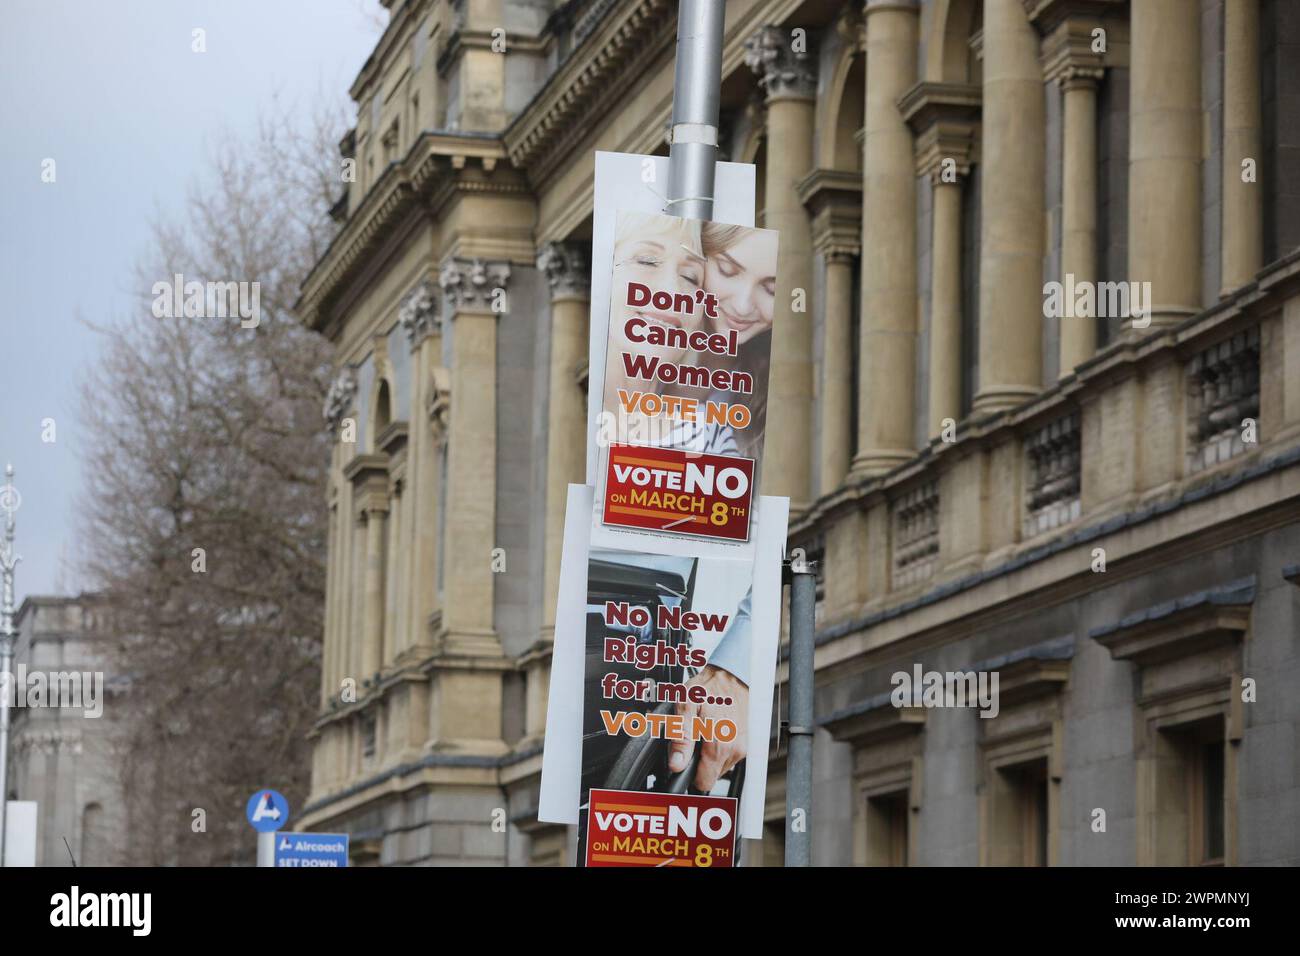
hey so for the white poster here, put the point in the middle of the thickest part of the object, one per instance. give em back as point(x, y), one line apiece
point(627, 181)
point(20, 833)
point(733, 640)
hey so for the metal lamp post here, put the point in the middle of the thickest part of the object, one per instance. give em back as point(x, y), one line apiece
point(697, 83)
point(692, 162)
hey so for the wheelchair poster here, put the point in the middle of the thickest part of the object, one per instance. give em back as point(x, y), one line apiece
point(661, 698)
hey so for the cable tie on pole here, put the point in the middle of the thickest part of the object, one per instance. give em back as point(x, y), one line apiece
point(693, 133)
point(669, 202)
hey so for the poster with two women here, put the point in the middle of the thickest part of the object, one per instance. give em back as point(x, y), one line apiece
point(685, 376)
point(668, 614)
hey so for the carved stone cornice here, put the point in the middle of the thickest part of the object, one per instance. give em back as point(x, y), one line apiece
point(1030, 679)
point(945, 118)
point(438, 168)
point(1190, 624)
point(833, 198)
point(1076, 78)
point(368, 474)
point(782, 71)
point(47, 742)
point(567, 267)
point(1066, 27)
point(873, 721)
point(338, 400)
point(392, 439)
point(418, 312)
point(1048, 15)
point(614, 54)
point(469, 284)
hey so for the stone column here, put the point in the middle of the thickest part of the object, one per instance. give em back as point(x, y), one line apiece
point(393, 557)
point(471, 288)
point(338, 403)
point(1070, 61)
point(945, 118)
point(355, 553)
point(833, 198)
point(329, 649)
point(376, 512)
point(568, 271)
point(1164, 193)
point(1012, 211)
point(418, 315)
point(945, 304)
point(1243, 210)
point(1078, 335)
point(887, 364)
point(837, 369)
point(789, 79)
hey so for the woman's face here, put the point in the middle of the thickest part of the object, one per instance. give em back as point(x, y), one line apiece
point(743, 277)
point(661, 262)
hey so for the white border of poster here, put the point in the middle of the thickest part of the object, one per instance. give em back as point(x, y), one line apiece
point(562, 754)
point(619, 186)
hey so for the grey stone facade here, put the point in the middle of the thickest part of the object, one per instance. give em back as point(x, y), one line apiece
point(65, 761)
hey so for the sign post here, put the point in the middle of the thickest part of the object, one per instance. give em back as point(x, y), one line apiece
point(267, 811)
point(798, 791)
point(692, 158)
point(697, 82)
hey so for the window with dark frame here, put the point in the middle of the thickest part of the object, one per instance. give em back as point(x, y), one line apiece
point(1212, 793)
point(887, 822)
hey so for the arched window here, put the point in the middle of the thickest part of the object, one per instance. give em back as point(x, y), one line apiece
point(846, 149)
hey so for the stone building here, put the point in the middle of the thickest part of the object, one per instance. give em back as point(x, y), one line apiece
point(1100, 504)
point(66, 761)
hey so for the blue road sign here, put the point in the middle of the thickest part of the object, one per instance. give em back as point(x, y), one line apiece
point(267, 811)
point(311, 849)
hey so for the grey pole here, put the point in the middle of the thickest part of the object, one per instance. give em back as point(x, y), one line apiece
point(266, 848)
point(9, 502)
point(798, 766)
point(693, 153)
point(692, 161)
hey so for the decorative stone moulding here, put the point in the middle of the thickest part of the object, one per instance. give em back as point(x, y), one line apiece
point(782, 71)
point(342, 393)
point(469, 283)
point(567, 268)
point(418, 313)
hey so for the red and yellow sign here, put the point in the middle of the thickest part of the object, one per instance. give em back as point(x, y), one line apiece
point(630, 828)
point(664, 489)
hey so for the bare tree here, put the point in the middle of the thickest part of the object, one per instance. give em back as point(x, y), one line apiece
point(204, 517)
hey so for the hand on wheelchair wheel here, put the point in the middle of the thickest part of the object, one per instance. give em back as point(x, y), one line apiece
point(645, 757)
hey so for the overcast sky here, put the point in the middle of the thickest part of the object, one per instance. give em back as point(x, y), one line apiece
point(112, 91)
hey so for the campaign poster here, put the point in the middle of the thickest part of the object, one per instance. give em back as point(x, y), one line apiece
point(633, 182)
point(630, 828)
point(665, 701)
point(662, 684)
point(685, 381)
